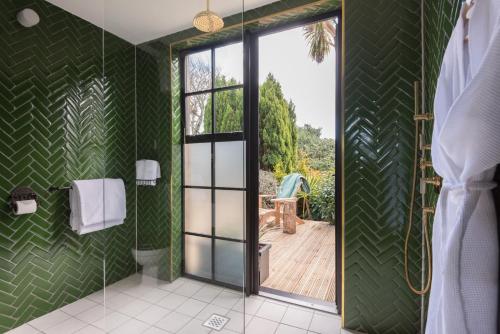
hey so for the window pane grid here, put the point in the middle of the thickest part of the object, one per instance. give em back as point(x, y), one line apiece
point(205, 85)
point(213, 114)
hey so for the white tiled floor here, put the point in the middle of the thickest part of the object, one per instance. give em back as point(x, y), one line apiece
point(139, 304)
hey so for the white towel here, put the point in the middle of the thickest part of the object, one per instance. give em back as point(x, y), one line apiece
point(147, 171)
point(87, 202)
point(97, 204)
point(115, 204)
point(97, 227)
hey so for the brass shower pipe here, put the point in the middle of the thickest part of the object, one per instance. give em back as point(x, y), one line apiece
point(424, 164)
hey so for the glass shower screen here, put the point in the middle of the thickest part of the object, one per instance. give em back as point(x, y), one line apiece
point(189, 240)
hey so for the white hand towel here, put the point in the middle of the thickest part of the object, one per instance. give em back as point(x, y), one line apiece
point(97, 204)
point(147, 171)
point(139, 169)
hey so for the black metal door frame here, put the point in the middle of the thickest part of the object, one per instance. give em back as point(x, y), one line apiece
point(251, 96)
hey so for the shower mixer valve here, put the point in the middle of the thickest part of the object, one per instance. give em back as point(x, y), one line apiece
point(427, 210)
point(423, 117)
point(435, 181)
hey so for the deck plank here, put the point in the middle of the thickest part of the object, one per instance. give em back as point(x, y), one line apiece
point(303, 263)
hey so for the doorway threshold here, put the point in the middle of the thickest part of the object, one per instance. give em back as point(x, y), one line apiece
point(299, 300)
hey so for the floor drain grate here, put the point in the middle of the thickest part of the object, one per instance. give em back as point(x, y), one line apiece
point(216, 322)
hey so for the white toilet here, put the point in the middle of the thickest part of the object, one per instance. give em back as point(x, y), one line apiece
point(150, 260)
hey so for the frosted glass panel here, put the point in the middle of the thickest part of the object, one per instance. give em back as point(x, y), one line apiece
point(198, 211)
point(197, 165)
point(230, 164)
point(229, 213)
point(198, 256)
point(229, 262)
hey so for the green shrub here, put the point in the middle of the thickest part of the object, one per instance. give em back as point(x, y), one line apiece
point(279, 171)
point(322, 199)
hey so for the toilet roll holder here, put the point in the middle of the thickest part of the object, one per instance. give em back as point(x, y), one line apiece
point(22, 194)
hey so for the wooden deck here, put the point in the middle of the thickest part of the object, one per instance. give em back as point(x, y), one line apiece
point(303, 263)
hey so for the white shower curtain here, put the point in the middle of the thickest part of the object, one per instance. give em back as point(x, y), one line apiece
point(465, 152)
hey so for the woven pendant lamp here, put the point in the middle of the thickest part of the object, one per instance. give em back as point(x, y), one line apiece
point(208, 21)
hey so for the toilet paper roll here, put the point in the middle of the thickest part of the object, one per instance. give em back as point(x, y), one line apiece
point(24, 207)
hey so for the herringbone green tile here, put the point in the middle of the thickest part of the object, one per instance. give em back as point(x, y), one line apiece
point(440, 18)
point(382, 62)
point(176, 214)
point(119, 139)
point(60, 120)
point(153, 223)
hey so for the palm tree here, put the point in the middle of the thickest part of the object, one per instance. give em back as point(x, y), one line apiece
point(320, 37)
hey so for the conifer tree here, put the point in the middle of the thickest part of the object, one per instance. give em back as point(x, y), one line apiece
point(278, 133)
point(277, 129)
point(228, 107)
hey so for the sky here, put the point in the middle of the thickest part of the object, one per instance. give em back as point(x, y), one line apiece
point(311, 86)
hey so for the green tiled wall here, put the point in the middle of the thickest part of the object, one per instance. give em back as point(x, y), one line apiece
point(377, 299)
point(60, 120)
point(119, 158)
point(440, 18)
point(153, 221)
point(176, 195)
point(382, 62)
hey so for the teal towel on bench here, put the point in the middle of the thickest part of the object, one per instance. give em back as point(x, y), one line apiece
point(290, 185)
